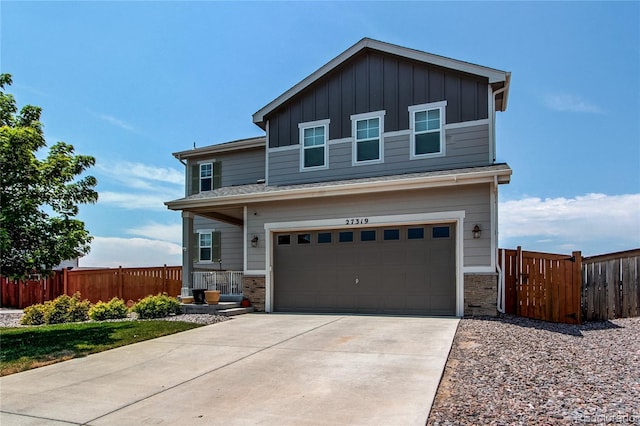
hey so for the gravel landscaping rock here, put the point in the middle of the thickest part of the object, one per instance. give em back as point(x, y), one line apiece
point(516, 371)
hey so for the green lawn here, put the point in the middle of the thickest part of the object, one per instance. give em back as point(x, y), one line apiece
point(24, 348)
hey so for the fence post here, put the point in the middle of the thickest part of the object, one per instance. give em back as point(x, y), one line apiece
point(120, 283)
point(65, 282)
point(164, 279)
point(576, 285)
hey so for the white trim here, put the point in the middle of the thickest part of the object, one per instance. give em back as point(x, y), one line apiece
point(479, 270)
point(455, 217)
point(205, 231)
point(284, 148)
point(245, 236)
point(354, 122)
point(266, 156)
point(256, 272)
point(312, 125)
point(493, 211)
point(463, 124)
point(492, 123)
point(441, 106)
point(316, 123)
point(342, 140)
point(395, 133)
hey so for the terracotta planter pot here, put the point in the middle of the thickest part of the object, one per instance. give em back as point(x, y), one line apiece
point(188, 299)
point(212, 297)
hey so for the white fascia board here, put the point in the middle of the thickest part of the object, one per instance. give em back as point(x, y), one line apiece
point(493, 75)
point(257, 142)
point(428, 182)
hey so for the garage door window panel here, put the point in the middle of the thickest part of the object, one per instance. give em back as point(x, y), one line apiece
point(345, 236)
point(368, 235)
point(304, 238)
point(440, 232)
point(324, 238)
point(391, 234)
point(415, 233)
point(284, 240)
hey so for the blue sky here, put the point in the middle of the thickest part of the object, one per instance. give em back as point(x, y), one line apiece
point(132, 82)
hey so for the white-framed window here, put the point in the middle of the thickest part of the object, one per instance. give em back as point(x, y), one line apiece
point(367, 132)
point(426, 124)
point(208, 246)
point(313, 142)
point(206, 177)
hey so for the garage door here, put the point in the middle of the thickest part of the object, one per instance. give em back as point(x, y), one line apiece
point(391, 270)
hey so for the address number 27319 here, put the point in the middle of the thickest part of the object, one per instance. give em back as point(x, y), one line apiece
point(357, 221)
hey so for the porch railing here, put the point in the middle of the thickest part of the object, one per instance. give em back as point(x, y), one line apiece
point(226, 282)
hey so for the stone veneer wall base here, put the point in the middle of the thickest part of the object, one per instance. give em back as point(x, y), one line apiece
point(480, 294)
point(254, 289)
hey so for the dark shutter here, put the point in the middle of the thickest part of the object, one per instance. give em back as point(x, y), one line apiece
point(217, 175)
point(216, 246)
point(195, 179)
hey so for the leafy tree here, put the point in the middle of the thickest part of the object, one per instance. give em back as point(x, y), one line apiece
point(40, 197)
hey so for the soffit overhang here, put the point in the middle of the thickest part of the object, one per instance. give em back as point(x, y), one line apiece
point(257, 193)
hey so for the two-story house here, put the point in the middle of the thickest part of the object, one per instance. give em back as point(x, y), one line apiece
point(373, 190)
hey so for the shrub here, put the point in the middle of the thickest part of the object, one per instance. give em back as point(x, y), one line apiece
point(78, 309)
point(157, 307)
point(61, 309)
point(113, 309)
point(56, 311)
point(33, 315)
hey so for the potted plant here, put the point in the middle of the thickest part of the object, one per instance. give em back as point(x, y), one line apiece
point(212, 297)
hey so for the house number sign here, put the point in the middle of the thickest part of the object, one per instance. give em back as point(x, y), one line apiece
point(357, 221)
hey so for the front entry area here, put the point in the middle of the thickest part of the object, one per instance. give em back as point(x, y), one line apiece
point(407, 270)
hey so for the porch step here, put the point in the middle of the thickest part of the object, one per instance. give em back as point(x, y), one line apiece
point(234, 311)
point(222, 308)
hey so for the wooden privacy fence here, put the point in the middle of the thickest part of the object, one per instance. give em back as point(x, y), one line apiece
point(95, 285)
point(20, 294)
point(542, 286)
point(610, 286)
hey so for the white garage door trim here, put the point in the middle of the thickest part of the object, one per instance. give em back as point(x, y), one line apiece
point(454, 217)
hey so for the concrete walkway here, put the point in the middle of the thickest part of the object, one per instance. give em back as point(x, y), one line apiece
point(270, 369)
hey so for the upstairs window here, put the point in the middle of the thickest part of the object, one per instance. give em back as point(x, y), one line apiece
point(313, 138)
point(206, 177)
point(426, 121)
point(367, 135)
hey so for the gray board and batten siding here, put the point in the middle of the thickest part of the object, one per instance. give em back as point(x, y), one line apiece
point(466, 146)
point(375, 81)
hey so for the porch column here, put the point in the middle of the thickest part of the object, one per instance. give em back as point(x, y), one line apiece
point(187, 256)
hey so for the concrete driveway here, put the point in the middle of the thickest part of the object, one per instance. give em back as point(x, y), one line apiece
point(271, 369)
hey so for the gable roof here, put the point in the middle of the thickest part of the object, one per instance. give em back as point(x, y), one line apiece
point(497, 78)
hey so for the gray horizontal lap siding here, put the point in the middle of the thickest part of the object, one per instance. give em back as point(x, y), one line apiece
point(465, 147)
point(238, 168)
point(231, 246)
point(372, 81)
